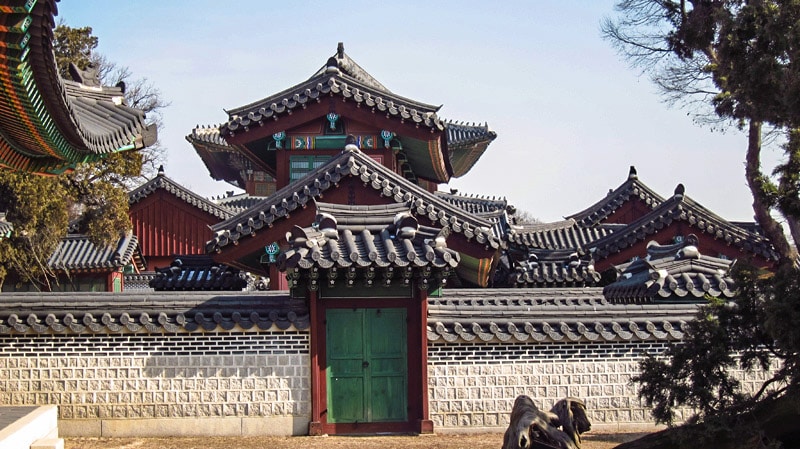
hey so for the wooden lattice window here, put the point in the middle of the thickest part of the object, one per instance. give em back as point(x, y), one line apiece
point(299, 166)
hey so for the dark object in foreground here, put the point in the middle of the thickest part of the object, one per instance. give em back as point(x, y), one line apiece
point(771, 422)
point(531, 428)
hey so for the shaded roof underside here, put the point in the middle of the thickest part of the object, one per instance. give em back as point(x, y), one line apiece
point(48, 124)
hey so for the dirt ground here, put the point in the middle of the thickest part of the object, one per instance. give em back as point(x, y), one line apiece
point(591, 440)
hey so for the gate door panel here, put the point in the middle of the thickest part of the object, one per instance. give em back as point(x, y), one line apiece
point(367, 365)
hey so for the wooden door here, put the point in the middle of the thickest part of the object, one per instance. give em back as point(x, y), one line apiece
point(367, 372)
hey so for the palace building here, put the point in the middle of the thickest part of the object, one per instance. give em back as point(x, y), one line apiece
point(343, 293)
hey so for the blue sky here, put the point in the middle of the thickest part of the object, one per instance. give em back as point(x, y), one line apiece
point(571, 116)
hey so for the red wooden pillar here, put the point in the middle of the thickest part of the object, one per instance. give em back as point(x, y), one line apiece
point(425, 425)
point(277, 278)
point(114, 282)
point(317, 388)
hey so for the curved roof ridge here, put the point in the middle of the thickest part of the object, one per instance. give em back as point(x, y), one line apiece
point(51, 124)
point(351, 68)
point(681, 207)
point(326, 84)
point(162, 181)
point(374, 175)
point(632, 186)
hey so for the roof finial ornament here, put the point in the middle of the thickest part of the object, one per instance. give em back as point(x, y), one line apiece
point(160, 170)
point(632, 173)
point(680, 190)
point(350, 143)
point(340, 50)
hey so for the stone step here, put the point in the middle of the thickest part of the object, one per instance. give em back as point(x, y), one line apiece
point(24, 426)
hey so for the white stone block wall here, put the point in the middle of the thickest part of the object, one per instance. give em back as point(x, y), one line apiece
point(258, 382)
point(474, 384)
point(96, 379)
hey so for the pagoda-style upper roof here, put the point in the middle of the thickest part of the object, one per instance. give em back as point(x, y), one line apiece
point(76, 252)
point(435, 149)
point(350, 163)
point(224, 162)
point(672, 272)
point(162, 182)
point(632, 188)
point(48, 124)
point(466, 144)
point(342, 77)
point(682, 208)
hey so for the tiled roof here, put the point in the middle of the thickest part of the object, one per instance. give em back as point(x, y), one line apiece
point(466, 144)
point(351, 162)
point(161, 181)
point(478, 205)
point(673, 272)
point(566, 234)
point(550, 315)
point(553, 268)
point(152, 313)
point(48, 124)
point(198, 273)
point(76, 252)
point(239, 203)
point(367, 237)
point(6, 228)
point(524, 315)
point(682, 208)
point(631, 188)
point(224, 162)
point(339, 77)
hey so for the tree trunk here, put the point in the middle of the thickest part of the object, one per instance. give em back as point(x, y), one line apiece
point(758, 183)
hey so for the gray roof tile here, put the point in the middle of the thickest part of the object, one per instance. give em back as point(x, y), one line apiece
point(374, 175)
point(676, 272)
point(63, 122)
point(550, 315)
point(631, 188)
point(367, 236)
point(161, 181)
point(198, 273)
point(76, 252)
point(682, 208)
point(553, 268)
point(566, 234)
point(149, 313)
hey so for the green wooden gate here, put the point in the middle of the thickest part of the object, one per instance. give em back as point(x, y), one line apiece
point(367, 370)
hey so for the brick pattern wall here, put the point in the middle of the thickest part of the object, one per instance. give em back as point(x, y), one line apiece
point(474, 384)
point(151, 376)
point(267, 375)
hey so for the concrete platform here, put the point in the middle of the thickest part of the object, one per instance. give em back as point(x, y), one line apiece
point(29, 427)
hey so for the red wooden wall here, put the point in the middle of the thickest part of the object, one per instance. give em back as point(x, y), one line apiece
point(166, 225)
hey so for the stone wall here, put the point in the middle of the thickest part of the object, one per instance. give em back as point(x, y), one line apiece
point(258, 382)
point(472, 385)
point(227, 383)
point(475, 384)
